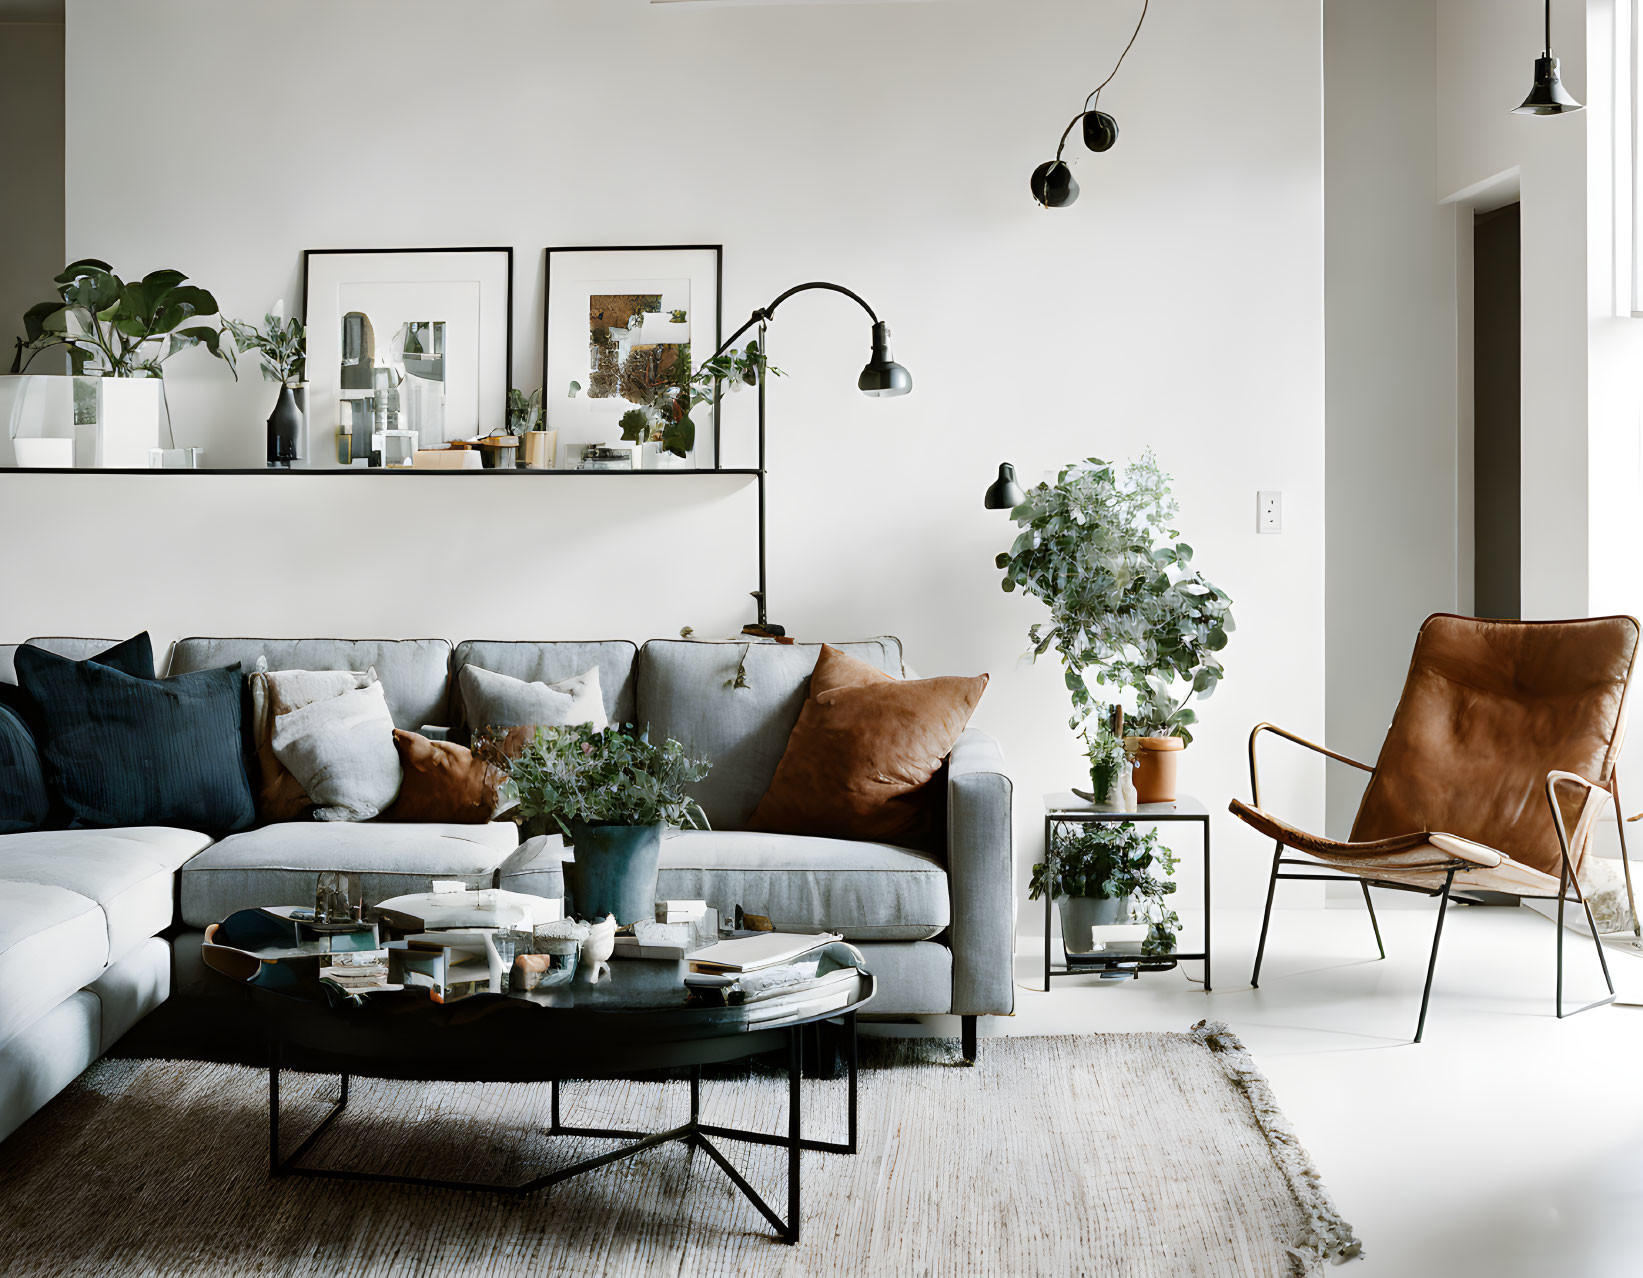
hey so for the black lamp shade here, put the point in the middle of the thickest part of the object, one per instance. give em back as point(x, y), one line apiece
point(1100, 131)
point(883, 377)
point(1053, 184)
point(1548, 97)
point(1004, 493)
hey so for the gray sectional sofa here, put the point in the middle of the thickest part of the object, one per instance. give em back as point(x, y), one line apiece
point(99, 927)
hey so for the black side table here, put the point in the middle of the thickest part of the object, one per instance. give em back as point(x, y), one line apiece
point(1065, 808)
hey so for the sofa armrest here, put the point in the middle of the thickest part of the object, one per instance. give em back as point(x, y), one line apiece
point(981, 877)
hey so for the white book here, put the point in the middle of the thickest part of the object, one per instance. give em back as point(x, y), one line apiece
point(750, 953)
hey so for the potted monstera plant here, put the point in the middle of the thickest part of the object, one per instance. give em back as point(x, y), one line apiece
point(117, 335)
point(1136, 626)
point(614, 794)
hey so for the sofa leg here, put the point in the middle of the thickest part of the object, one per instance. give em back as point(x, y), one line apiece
point(968, 1038)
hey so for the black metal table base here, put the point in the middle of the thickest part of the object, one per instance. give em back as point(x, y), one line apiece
point(695, 1133)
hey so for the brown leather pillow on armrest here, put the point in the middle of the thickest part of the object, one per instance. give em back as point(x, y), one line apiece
point(864, 754)
point(443, 781)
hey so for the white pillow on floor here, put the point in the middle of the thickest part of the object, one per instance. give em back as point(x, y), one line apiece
point(341, 751)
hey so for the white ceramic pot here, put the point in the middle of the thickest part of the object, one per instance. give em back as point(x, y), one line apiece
point(107, 421)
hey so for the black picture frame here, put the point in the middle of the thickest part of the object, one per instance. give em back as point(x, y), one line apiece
point(718, 252)
point(505, 251)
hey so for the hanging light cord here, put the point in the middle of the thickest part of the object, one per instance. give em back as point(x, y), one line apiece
point(1093, 99)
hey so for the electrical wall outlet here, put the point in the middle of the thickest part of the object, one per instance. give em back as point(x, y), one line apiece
point(1269, 511)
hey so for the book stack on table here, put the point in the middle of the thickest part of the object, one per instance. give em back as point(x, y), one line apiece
point(776, 976)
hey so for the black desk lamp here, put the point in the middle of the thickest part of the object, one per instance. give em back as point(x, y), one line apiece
point(882, 378)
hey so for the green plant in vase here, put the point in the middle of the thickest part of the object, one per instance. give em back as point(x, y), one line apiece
point(1105, 873)
point(1128, 611)
point(613, 794)
point(524, 411)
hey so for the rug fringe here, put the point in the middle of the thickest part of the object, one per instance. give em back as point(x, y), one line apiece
point(1329, 1237)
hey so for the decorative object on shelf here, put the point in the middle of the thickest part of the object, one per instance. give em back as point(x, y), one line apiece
point(1052, 182)
point(1004, 493)
point(1126, 608)
point(117, 336)
point(332, 900)
point(176, 459)
point(597, 949)
point(417, 340)
point(616, 344)
point(881, 378)
point(498, 452)
point(282, 346)
point(613, 794)
point(1102, 874)
point(1157, 760)
point(525, 420)
point(1111, 782)
point(605, 457)
point(1548, 96)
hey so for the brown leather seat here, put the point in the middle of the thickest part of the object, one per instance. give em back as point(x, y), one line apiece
point(1500, 756)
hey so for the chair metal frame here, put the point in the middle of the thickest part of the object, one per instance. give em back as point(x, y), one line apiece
point(1449, 869)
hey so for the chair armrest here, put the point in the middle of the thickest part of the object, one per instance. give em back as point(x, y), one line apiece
point(1573, 843)
point(981, 876)
point(1254, 773)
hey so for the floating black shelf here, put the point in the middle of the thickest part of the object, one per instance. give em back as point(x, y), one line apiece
point(353, 470)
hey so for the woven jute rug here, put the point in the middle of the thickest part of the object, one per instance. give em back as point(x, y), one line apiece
point(1106, 1154)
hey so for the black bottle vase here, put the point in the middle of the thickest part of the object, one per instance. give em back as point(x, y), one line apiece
point(284, 425)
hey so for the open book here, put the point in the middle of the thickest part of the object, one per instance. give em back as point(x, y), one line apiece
point(751, 953)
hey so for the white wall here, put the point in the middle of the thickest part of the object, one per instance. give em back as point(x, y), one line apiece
point(1390, 386)
point(1177, 306)
point(31, 214)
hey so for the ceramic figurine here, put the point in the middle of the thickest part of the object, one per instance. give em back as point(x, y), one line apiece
point(598, 947)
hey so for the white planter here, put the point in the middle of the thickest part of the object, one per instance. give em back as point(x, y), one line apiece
point(107, 421)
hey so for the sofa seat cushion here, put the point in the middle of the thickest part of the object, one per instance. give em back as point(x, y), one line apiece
point(53, 942)
point(276, 864)
point(127, 874)
point(863, 891)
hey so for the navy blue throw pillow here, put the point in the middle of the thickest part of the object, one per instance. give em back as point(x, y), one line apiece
point(123, 750)
point(135, 656)
point(23, 801)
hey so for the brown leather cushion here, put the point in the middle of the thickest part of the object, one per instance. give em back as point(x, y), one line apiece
point(442, 781)
point(1488, 709)
point(862, 760)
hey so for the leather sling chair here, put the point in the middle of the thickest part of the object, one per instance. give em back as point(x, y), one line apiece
point(1498, 762)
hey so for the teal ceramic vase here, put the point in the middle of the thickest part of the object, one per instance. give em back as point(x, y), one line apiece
point(613, 871)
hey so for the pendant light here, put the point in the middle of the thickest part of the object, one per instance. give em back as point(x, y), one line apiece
point(1548, 97)
point(1052, 182)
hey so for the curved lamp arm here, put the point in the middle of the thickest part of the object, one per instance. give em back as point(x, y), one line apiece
point(768, 312)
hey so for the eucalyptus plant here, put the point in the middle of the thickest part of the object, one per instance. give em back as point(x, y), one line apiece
point(612, 777)
point(1127, 609)
point(734, 368)
point(1113, 861)
point(524, 411)
point(118, 328)
point(281, 343)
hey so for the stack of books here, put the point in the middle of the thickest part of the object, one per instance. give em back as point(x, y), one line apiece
point(776, 976)
point(680, 928)
point(449, 965)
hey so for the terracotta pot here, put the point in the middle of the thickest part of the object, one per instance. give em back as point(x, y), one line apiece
point(1156, 759)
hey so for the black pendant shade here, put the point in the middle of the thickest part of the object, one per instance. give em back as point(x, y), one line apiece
point(1548, 97)
point(883, 377)
point(1053, 184)
point(1004, 493)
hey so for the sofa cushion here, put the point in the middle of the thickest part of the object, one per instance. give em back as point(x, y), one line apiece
point(277, 864)
point(536, 868)
point(13, 697)
point(413, 671)
point(443, 781)
point(863, 758)
point(128, 873)
point(687, 690)
point(341, 751)
point(863, 891)
point(24, 804)
point(493, 700)
point(120, 750)
point(549, 662)
point(52, 943)
point(279, 795)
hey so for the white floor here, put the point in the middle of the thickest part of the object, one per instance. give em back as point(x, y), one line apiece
point(1507, 1142)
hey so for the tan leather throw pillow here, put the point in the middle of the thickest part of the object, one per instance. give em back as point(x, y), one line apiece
point(861, 760)
point(443, 781)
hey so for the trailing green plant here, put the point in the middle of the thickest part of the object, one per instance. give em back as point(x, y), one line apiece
point(524, 411)
point(1103, 859)
point(1127, 609)
point(117, 328)
point(282, 345)
point(1108, 758)
point(613, 777)
point(734, 368)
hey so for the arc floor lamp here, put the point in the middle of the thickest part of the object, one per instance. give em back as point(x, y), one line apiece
point(881, 378)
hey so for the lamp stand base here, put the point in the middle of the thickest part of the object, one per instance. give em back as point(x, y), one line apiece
point(769, 630)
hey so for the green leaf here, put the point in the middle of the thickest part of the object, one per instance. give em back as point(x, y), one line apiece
point(635, 426)
point(34, 319)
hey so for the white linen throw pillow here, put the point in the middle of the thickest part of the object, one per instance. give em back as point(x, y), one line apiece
point(341, 751)
point(492, 700)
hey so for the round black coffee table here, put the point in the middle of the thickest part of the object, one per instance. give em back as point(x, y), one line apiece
point(636, 1020)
